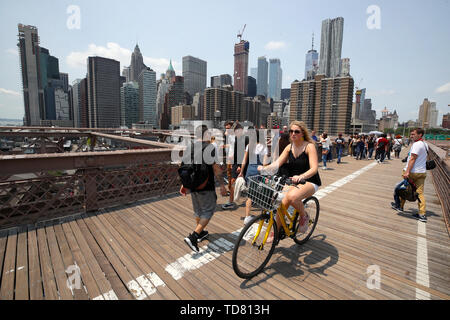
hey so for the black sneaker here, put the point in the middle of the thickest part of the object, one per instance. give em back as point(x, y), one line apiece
point(202, 236)
point(420, 217)
point(191, 241)
point(394, 206)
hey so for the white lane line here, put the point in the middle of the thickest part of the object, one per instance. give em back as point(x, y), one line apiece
point(136, 290)
point(220, 246)
point(422, 276)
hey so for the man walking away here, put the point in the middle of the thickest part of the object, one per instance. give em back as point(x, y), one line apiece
point(237, 155)
point(382, 145)
point(339, 147)
point(198, 178)
point(416, 171)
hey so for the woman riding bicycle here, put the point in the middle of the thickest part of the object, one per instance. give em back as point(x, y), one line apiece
point(302, 164)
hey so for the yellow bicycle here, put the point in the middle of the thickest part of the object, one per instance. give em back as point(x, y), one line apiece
point(258, 239)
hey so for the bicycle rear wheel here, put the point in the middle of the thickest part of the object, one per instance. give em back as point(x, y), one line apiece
point(250, 256)
point(312, 208)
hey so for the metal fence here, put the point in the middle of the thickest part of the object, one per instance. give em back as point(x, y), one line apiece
point(46, 186)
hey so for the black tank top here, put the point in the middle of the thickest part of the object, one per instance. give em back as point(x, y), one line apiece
point(299, 165)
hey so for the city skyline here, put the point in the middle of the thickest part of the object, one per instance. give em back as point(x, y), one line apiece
point(391, 61)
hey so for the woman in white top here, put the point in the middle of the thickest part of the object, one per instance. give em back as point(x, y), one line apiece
point(260, 151)
point(397, 147)
point(326, 142)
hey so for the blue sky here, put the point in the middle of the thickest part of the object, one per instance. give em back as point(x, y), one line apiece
point(400, 64)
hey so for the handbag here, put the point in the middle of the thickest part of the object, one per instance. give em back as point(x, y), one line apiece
point(430, 164)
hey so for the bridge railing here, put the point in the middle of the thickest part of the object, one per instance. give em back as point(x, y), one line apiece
point(441, 178)
point(46, 186)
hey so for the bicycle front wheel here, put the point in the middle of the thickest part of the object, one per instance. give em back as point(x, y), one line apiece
point(312, 208)
point(254, 246)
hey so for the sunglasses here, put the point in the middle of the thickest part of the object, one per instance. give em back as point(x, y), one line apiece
point(295, 131)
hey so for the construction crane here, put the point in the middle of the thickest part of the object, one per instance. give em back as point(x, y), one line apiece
point(359, 84)
point(240, 33)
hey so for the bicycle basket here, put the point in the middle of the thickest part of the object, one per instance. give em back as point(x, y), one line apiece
point(263, 191)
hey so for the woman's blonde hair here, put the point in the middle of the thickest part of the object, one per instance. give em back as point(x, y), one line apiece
point(304, 129)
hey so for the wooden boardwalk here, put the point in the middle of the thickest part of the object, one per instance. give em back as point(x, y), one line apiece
point(137, 251)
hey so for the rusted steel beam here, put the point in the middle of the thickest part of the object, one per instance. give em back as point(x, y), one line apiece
point(133, 141)
point(109, 130)
point(36, 134)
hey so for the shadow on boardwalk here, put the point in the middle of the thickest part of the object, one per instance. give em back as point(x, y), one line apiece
point(314, 257)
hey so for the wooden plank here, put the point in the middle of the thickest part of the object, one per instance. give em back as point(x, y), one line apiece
point(103, 241)
point(35, 279)
point(58, 265)
point(88, 279)
point(117, 285)
point(3, 241)
point(22, 268)
point(68, 260)
point(140, 289)
point(48, 276)
point(140, 256)
point(9, 268)
point(99, 276)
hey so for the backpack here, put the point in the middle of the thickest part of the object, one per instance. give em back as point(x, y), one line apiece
point(409, 193)
point(194, 175)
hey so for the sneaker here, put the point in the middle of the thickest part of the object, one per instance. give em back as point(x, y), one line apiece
point(228, 206)
point(303, 224)
point(191, 241)
point(247, 219)
point(420, 217)
point(202, 236)
point(324, 168)
point(394, 206)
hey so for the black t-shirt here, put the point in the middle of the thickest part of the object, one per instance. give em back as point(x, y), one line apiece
point(209, 157)
point(340, 142)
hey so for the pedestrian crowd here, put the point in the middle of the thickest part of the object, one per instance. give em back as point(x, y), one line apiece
point(294, 152)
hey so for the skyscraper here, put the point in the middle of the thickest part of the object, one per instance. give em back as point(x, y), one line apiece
point(137, 64)
point(103, 92)
point(275, 78)
point(129, 103)
point(174, 97)
point(76, 102)
point(241, 51)
point(33, 93)
point(424, 114)
point(345, 67)
point(170, 73)
point(261, 81)
point(221, 81)
point(324, 104)
point(251, 87)
point(312, 62)
point(194, 73)
point(147, 97)
point(331, 47)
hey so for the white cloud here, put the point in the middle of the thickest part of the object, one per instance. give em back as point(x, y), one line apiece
point(275, 45)
point(116, 52)
point(12, 51)
point(443, 89)
point(10, 92)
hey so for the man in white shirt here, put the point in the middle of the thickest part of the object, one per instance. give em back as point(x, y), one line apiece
point(416, 171)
